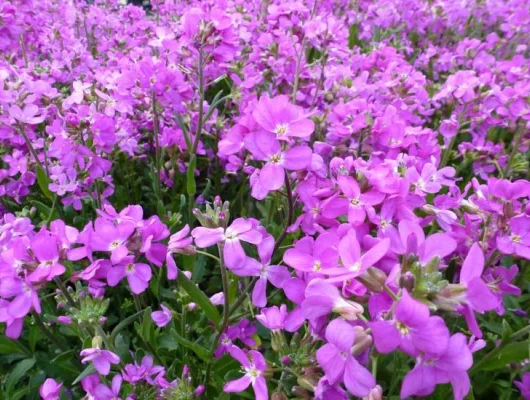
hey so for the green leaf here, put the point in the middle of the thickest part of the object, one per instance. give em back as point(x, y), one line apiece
point(512, 353)
point(191, 186)
point(146, 324)
point(123, 324)
point(8, 346)
point(199, 298)
point(44, 182)
point(89, 370)
point(44, 209)
point(201, 352)
point(18, 373)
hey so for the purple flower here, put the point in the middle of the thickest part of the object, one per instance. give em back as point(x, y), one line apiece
point(162, 318)
point(101, 359)
point(355, 204)
point(24, 297)
point(273, 318)
point(110, 237)
point(103, 392)
point(254, 365)
point(233, 253)
point(450, 367)
point(265, 147)
point(45, 248)
point(338, 363)
point(517, 241)
point(50, 390)
point(411, 328)
point(280, 117)
point(322, 298)
point(28, 115)
point(275, 274)
point(138, 274)
point(524, 385)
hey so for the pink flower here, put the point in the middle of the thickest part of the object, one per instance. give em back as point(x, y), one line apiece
point(28, 115)
point(411, 328)
point(280, 117)
point(101, 359)
point(273, 318)
point(138, 274)
point(45, 248)
point(336, 360)
point(162, 318)
point(276, 274)
point(233, 253)
point(322, 298)
point(179, 242)
point(50, 390)
point(103, 392)
point(265, 147)
point(24, 297)
point(254, 365)
point(110, 237)
point(451, 367)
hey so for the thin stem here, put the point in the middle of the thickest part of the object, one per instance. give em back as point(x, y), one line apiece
point(156, 131)
point(137, 302)
point(53, 338)
point(493, 353)
point(209, 255)
point(226, 312)
point(390, 292)
point(30, 146)
point(23, 48)
point(360, 147)
point(447, 153)
point(290, 216)
point(297, 71)
point(518, 137)
point(71, 302)
point(201, 105)
point(54, 203)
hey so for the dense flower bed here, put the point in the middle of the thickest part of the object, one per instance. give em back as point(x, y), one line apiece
point(265, 199)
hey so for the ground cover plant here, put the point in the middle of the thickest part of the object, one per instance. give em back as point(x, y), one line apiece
point(240, 199)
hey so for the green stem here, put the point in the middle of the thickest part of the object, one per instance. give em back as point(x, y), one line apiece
point(493, 353)
point(156, 131)
point(53, 338)
point(54, 204)
point(23, 48)
point(30, 146)
point(201, 105)
point(390, 292)
point(209, 255)
point(518, 137)
point(447, 153)
point(226, 313)
point(290, 216)
point(71, 302)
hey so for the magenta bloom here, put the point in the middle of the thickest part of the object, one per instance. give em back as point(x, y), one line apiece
point(478, 295)
point(336, 360)
point(355, 203)
point(310, 255)
point(101, 359)
point(450, 367)
point(24, 297)
point(28, 115)
point(276, 274)
point(50, 390)
point(353, 263)
point(524, 385)
point(322, 298)
point(254, 366)
point(279, 116)
point(103, 392)
point(110, 237)
point(162, 318)
point(411, 328)
point(518, 240)
point(273, 318)
point(138, 274)
point(179, 242)
point(45, 248)
point(233, 253)
point(265, 147)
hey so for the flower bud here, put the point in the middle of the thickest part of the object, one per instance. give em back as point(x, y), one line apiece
point(375, 394)
point(305, 383)
point(373, 279)
point(301, 393)
point(362, 341)
point(199, 391)
point(278, 396)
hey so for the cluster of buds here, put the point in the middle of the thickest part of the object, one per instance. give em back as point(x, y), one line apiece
point(216, 215)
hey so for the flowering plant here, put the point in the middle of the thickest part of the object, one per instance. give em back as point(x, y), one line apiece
point(264, 199)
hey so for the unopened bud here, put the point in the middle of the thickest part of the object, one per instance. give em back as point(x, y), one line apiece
point(96, 342)
point(301, 393)
point(305, 383)
point(278, 396)
point(198, 392)
point(407, 281)
point(362, 341)
point(373, 279)
point(375, 394)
